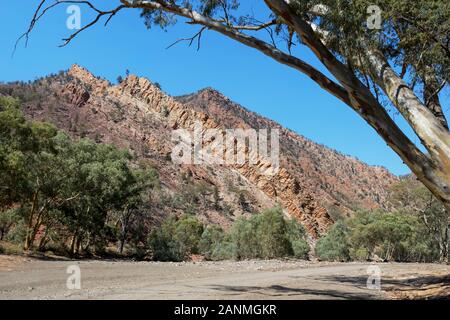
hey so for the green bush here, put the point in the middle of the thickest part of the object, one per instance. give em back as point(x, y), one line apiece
point(334, 245)
point(268, 235)
point(263, 236)
point(215, 244)
point(162, 244)
point(18, 233)
point(212, 237)
point(393, 236)
point(297, 236)
point(138, 253)
point(8, 219)
point(176, 238)
point(188, 232)
point(360, 254)
point(223, 250)
point(272, 234)
point(390, 236)
point(8, 102)
point(243, 235)
point(10, 248)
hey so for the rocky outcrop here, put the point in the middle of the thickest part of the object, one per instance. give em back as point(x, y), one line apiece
point(76, 94)
point(342, 183)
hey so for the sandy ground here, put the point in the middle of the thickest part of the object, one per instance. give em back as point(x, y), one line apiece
point(27, 278)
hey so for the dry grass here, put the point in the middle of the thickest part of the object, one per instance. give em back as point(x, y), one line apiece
point(10, 248)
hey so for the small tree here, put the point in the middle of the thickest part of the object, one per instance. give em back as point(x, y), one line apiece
point(334, 245)
point(176, 239)
point(130, 203)
point(272, 234)
point(297, 237)
point(268, 235)
point(411, 197)
point(215, 244)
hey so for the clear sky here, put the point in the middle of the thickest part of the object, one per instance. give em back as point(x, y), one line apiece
point(243, 74)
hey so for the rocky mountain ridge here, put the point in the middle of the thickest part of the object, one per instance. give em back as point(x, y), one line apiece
point(314, 184)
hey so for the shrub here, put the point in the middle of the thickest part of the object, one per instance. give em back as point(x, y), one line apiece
point(8, 219)
point(8, 102)
point(176, 238)
point(216, 245)
point(243, 235)
point(268, 236)
point(138, 253)
point(223, 250)
point(10, 248)
point(18, 233)
point(334, 245)
point(188, 232)
point(389, 236)
point(212, 237)
point(272, 234)
point(162, 243)
point(360, 254)
point(297, 236)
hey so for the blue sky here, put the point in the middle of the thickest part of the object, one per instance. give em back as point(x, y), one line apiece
point(243, 74)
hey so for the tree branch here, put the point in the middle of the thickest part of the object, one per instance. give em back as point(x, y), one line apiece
point(197, 36)
point(269, 50)
point(38, 14)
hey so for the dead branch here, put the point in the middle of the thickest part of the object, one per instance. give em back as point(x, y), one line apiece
point(197, 36)
point(41, 11)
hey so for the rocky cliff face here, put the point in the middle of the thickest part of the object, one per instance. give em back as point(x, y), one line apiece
point(341, 182)
point(314, 184)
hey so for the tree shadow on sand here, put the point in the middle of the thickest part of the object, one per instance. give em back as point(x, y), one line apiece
point(353, 288)
point(284, 291)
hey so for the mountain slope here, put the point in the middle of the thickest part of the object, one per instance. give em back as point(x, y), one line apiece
point(338, 180)
point(313, 182)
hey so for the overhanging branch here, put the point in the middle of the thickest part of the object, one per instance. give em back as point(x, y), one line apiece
point(231, 32)
point(41, 11)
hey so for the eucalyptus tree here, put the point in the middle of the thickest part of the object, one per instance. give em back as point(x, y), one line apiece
point(30, 171)
point(130, 204)
point(410, 196)
point(380, 54)
point(98, 174)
